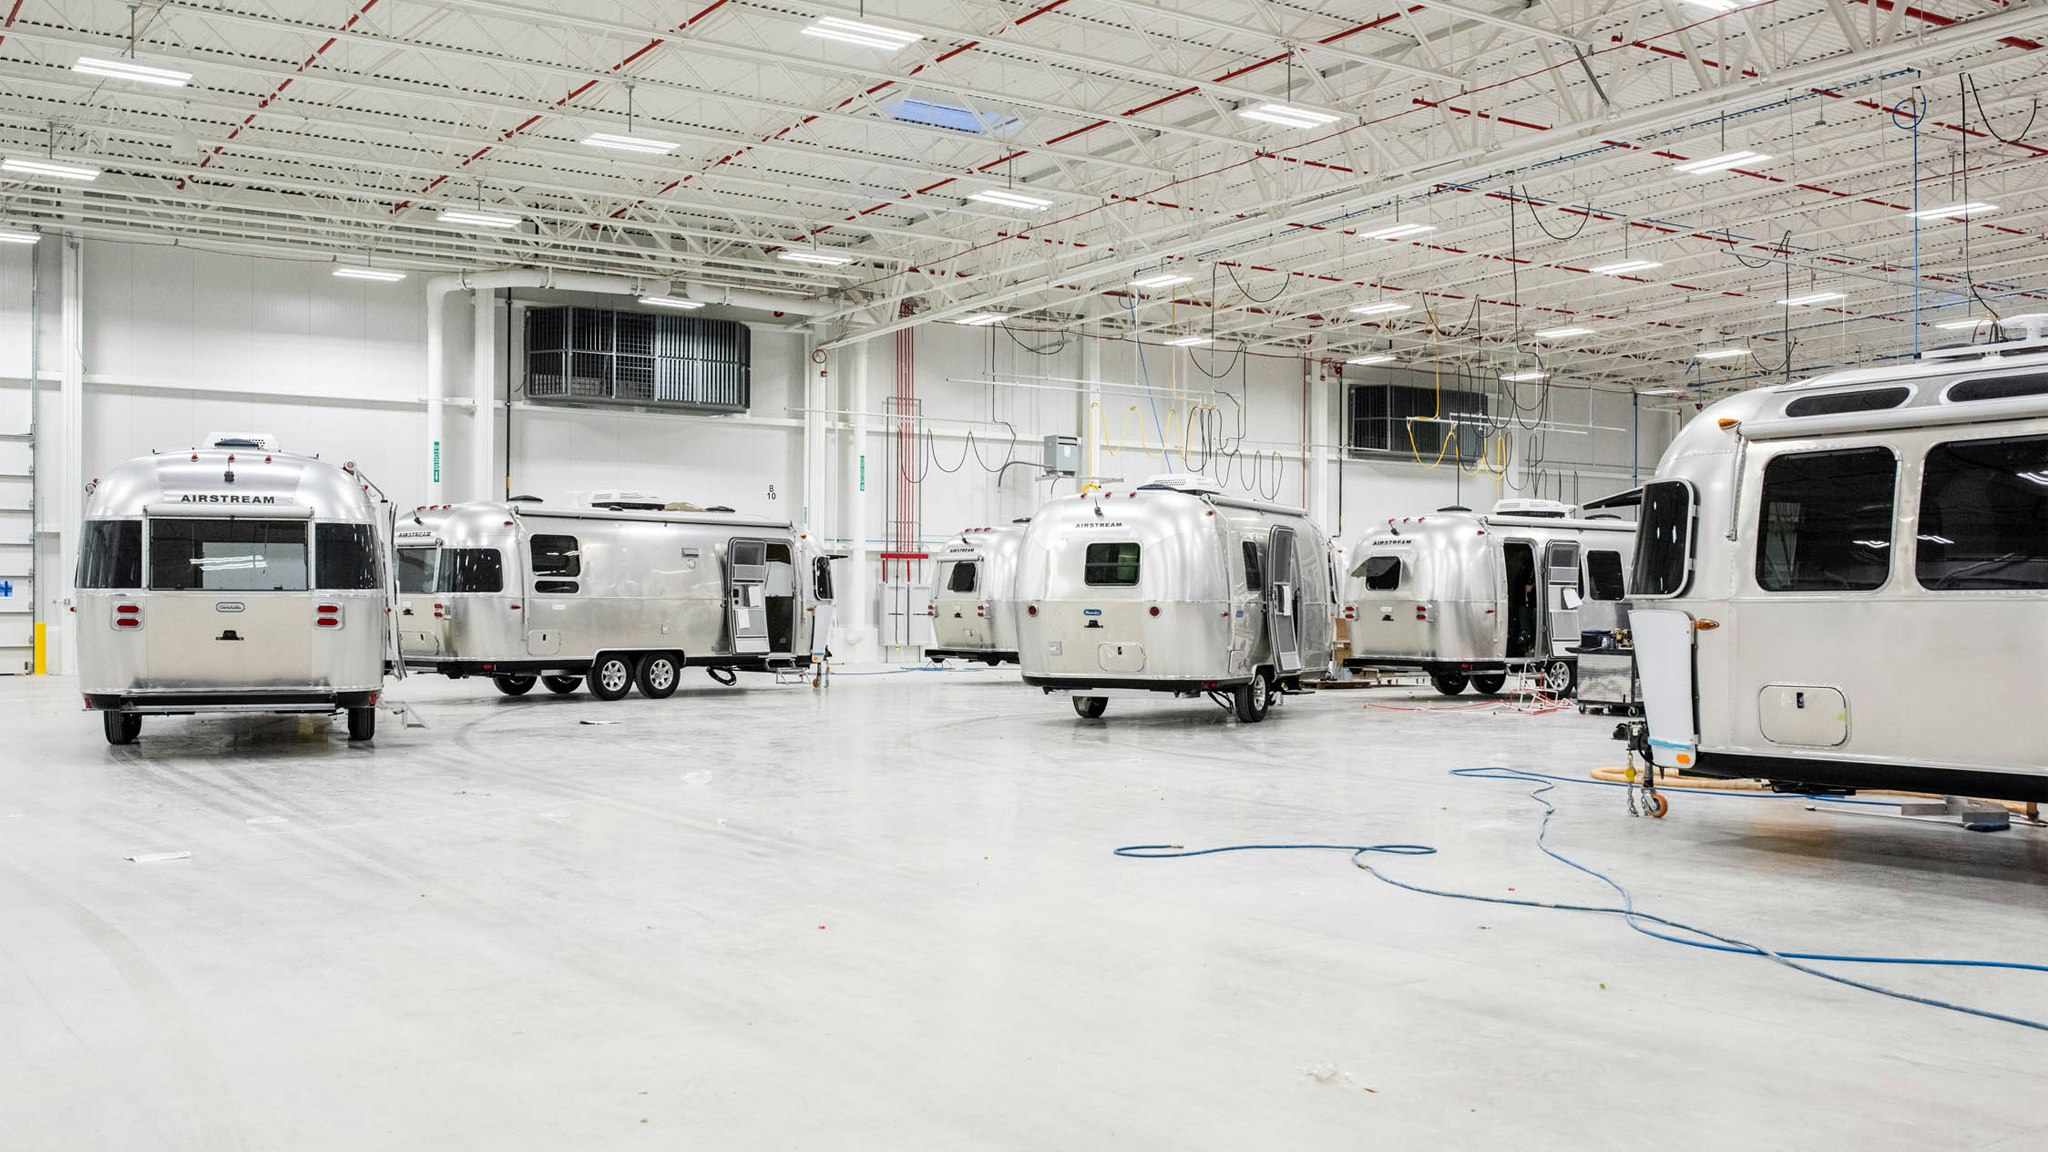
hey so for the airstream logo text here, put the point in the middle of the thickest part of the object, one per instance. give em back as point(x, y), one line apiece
point(1099, 524)
point(224, 498)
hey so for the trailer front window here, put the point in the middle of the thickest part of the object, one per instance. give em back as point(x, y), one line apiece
point(1984, 516)
point(110, 554)
point(1382, 573)
point(1664, 539)
point(345, 557)
point(1826, 521)
point(964, 576)
point(416, 567)
point(1110, 565)
point(227, 555)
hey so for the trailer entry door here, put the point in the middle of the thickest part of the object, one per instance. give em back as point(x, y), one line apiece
point(1280, 579)
point(746, 596)
point(1561, 594)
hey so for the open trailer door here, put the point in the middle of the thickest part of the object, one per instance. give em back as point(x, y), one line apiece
point(1280, 581)
point(746, 596)
point(1664, 641)
point(1561, 596)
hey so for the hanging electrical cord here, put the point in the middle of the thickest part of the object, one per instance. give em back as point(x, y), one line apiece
point(1585, 219)
point(928, 457)
point(1286, 282)
point(1693, 936)
point(1963, 221)
point(1066, 338)
point(2033, 110)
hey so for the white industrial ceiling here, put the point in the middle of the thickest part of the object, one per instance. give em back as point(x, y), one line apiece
point(1536, 142)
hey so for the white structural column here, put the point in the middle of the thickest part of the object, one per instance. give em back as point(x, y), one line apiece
point(859, 601)
point(437, 396)
point(483, 424)
point(1090, 402)
point(71, 475)
point(1321, 487)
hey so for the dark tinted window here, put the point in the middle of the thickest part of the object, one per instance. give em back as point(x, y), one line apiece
point(416, 569)
point(227, 555)
point(1111, 565)
point(1382, 573)
point(1664, 539)
point(1826, 521)
point(110, 554)
point(821, 577)
point(1254, 567)
point(1603, 576)
point(345, 557)
point(962, 578)
point(556, 556)
point(1868, 400)
point(1984, 515)
point(2000, 388)
point(472, 570)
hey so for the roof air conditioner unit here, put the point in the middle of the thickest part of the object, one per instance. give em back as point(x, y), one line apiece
point(248, 441)
point(623, 501)
point(1535, 509)
point(1185, 482)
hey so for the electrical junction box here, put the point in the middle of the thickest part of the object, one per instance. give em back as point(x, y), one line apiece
point(1062, 455)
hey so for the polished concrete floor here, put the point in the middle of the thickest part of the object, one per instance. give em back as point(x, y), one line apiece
point(886, 915)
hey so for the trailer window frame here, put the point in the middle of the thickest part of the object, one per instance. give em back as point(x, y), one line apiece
point(1599, 583)
point(1777, 573)
point(1995, 511)
point(1667, 540)
point(821, 578)
point(1254, 567)
point(110, 555)
point(973, 570)
point(1376, 581)
point(345, 557)
point(1117, 569)
point(459, 568)
point(166, 561)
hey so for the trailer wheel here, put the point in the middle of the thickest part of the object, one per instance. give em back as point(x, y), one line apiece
point(1490, 684)
point(362, 724)
point(1252, 701)
point(513, 685)
point(1090, 707)
point(121, 727)
point(657, 676)
point(1448, 683)
point(1560, 677)
point(611, 677)
point(562, 685)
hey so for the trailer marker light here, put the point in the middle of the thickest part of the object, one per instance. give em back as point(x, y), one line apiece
point(1155, 609)
point(1031, 609)
point(1727, 422)
point(128, 609)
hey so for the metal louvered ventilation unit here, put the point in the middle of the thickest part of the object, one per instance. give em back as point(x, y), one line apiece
point(595, 356)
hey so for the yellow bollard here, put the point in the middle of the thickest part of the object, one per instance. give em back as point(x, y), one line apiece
point(42, 667)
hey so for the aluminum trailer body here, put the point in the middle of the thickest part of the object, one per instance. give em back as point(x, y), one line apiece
point(1843, 583)
point(1470, 597)
point(1164, 589)
point(520, 592)
point(974, 596)
point(231, 578)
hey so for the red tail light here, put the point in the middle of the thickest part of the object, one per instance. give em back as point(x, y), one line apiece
point(127, 615)
point(1422, 612)
point(1350, 612)
point(329, 616)
point(981, 611)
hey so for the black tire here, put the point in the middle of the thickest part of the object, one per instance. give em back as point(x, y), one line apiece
point(1252, 701)
point(561, 685)
point(1449, 683)
point(1560, 677)
point(611, 677)
point(658, 674)
point(121, 727)
point(1090, 707)
point(513, 685)
point(362, 724)
point(1489, 683)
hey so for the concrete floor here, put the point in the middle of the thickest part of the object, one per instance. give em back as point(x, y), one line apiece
point(886, 915)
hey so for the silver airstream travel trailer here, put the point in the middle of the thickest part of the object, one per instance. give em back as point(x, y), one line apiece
point(974, 596)
point(1172, 586)
point(1844, 583)
point(1467, 597)
point(616, 597)
point(231, 578)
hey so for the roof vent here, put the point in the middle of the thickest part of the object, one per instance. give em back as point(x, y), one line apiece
point(524, 500)
point(1183, 482)
point(1454, 508)
point(247, 441)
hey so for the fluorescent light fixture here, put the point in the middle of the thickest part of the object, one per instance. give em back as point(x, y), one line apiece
point(1563, 333)
point(1384, 308)
point(1811, 298)
point(980, 319)
point(1187, 341)
point(813, 256)
point(1962, 325)
point(479, 219)
point(1374, 358)
point(1624, 267)
point(30, 166)
point(15, 236)
point(1524, 377)
point(1716, 5)
point(642, 144)
point(1288, 115)
point(862, 33)
point(130, 70)
point(1720, 163)
point(1397, 231)
point(1662, 392)
point(381, 275)
point(1009, 199)
point(671, 302)
point(1161, 280)
point(1956, 211)
point(1720, 353)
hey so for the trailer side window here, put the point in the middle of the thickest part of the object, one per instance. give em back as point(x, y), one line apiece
point(1111, 565)
point(1984, 515)
point(1382, 573)
point(1603, 576)
point(416, 568)
point(472, 570)
point(345, 557)
point(1254, 567)
point(227, 555)
point(1827, 521)
point(110, 554)
point(556, 556)
point(1664, 539)
point(821, 578)
point(964, 577)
